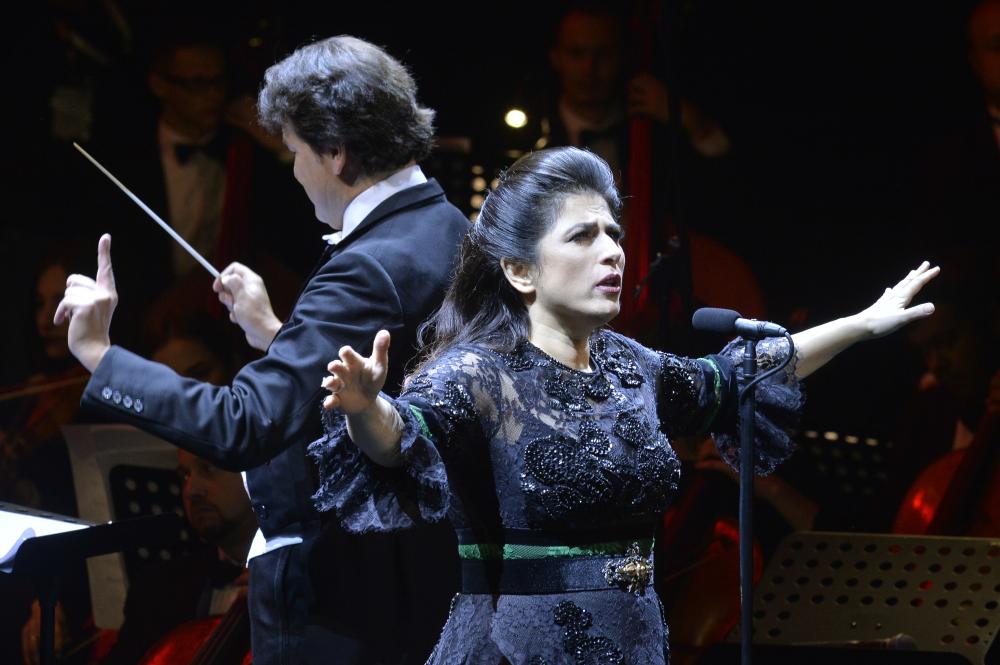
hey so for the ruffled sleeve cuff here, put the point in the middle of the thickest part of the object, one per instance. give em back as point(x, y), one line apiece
point(367, 497)
point(780, 400)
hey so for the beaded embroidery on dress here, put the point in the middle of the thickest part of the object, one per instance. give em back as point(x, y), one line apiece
point(516, 441)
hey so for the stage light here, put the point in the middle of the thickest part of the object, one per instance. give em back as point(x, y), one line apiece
point(516, 118)
point(479, 183)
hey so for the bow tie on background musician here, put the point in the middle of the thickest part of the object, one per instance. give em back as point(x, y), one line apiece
point(214, 148)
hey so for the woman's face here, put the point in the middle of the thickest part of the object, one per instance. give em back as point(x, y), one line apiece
point(48, 292)
point(577, 281)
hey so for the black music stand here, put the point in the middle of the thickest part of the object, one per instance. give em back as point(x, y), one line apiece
point(829, 597)
point(843, 466)
point(121, 472)
point(46, 558)
point(138, 491)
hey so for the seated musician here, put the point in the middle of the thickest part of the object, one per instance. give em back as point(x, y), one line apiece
point(195, 587)
point(956, 406)
point(165, 595)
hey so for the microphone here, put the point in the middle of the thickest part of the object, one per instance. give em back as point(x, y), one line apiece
point(727, 321)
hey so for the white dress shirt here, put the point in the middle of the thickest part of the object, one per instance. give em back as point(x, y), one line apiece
point(194, 198)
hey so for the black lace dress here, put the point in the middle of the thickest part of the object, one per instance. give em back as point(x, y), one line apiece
point(554, 480)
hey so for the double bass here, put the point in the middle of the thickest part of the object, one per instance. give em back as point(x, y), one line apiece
point(700, 587)
point(959, 493)
point(218, 640)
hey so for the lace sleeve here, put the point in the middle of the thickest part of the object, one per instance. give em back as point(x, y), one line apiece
point(779, 404)
point(450, 402)
point(691, 393)
point(696, 396)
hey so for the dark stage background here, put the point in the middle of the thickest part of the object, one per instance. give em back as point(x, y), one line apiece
point(836, 112)
point(829, 107)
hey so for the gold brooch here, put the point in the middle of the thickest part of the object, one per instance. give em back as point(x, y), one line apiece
point(632, 573)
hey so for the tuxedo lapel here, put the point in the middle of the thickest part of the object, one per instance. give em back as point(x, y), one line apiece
point(409, 198)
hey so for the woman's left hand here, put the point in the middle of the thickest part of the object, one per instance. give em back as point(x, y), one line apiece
point(891, 312)
point(355, 381)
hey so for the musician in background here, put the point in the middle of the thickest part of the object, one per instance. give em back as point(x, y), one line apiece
point(960, 388)
point(34, 462)
point(201, 161)
point(34, 465)
point(165, 595)
point(957, 191)
point(956, 203)
point(588, 57)
point(205, 584)
point(599, 89)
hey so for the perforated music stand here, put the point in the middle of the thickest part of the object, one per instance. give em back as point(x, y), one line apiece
point(843, 466)
point(46, 558)
point(825, 589)
point(138, 491)
point(121, 472)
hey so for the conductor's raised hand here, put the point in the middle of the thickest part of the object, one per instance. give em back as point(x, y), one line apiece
point(892, 311)
point(355, 381)
point(243, 293)
point(88, 304)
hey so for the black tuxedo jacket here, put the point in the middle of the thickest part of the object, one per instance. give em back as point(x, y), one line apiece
point(390, 273)
point(390, 591)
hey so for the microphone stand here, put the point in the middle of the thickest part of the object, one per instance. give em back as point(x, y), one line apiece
point(747, 404)
point(747, 419)
point(728, 321)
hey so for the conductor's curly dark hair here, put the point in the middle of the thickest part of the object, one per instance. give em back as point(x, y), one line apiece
point(343, 91)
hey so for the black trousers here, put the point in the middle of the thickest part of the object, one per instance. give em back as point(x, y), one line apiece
point(278, 600)
point(282, 629)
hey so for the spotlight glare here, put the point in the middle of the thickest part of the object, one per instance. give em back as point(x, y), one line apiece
point(516, 118)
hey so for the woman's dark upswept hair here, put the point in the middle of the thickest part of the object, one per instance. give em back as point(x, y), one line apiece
point(481, 307)
point(343, 91)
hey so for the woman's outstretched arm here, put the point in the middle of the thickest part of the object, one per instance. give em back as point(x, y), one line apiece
point(817, 346)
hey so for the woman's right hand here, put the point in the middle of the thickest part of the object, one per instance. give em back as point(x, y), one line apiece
point(892, 311)
point(355, 381)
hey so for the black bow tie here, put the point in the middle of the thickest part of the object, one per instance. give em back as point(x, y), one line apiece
point(214, 149)
point(590, 136)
